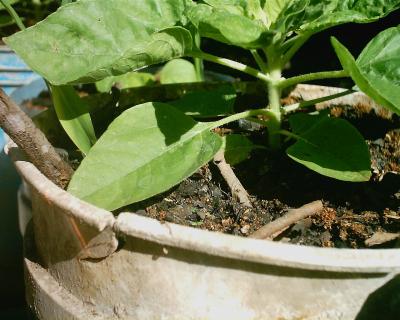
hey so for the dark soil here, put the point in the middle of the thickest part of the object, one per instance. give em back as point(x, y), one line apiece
point(353, 212)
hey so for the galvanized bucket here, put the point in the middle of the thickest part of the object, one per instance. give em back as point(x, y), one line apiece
point(84, 263)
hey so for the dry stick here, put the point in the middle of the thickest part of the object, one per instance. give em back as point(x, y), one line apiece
point(237, 189)
point(291, 217)
point(21, 129)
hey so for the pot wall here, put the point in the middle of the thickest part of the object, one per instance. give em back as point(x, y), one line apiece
point(132, 267)
point(165, 271)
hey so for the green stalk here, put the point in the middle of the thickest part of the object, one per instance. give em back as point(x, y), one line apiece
point(294, 48)
point(260, 61)
point(309, 103)
point(241, 115)
point(232, 64)
point(274, 98)
point(313, 76)
point(198, 62)
point(13, 14)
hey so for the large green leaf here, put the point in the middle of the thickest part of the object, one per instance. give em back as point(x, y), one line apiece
point(377, 71)
point(208, 103)
point(74, 117)
point(230, 28)
point(146, 150)
point(322, 14)
point(89, 40)
point(331, 147)
point(178, 71)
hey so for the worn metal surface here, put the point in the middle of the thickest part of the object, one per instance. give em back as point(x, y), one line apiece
point(167, 271)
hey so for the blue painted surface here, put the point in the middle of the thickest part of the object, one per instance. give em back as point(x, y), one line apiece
point(14, 73)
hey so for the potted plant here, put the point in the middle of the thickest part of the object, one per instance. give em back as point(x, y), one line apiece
point(127, 266)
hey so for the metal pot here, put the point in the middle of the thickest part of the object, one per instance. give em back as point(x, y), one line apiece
point(84, 263)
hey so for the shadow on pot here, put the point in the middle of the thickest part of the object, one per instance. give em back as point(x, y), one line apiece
point(383, 303)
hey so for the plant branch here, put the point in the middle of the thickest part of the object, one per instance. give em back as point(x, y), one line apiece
point(13, 14)
point(309, 103)
point(294, 48)
point(241, 115)
point(291, 217)
point(313, 76)
point(260, 61)
point(232, 64)
point(33, 142)
point(237, 189)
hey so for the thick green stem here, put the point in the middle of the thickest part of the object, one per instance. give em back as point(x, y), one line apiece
point(232, 64)
point(313, 76)
point(274, 96)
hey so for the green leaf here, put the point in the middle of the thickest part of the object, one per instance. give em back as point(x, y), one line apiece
point(237, 148)
point(74, 117)
point(226, 27)
point(86, 41)
point(178, 71)
point(146, 150)
point(334, 148)
point(249, 8)
point(376, 72)
point(274, 8)
point(379, 63)
point(319, 15)
point(208, 103)
point(301, 122)
point(125, 81)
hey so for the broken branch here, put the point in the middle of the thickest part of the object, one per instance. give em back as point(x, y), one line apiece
point(275, 227)
point(237, 189)
point(21, 129)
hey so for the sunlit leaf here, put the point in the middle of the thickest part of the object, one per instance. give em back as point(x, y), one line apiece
point(74, 117)
point(377, 71)
point(234, 29)
point(332, 147)
point(178, 71)
point(86, 41)
point(146, 150)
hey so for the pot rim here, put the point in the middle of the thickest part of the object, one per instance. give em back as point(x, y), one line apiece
point(208, 242)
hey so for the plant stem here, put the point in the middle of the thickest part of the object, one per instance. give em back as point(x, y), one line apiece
point(13, 14)
point(313, 76)
point(274, 96)
point(241, 115)
point(198, 63)
point(294, 48)
point(259, 60)
point(289, 134)
point(308, 103)
point(232, 64)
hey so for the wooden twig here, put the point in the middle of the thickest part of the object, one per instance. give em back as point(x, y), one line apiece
point(380, 238)
point(237, 189)
point(21, 129)
point(292, 216)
